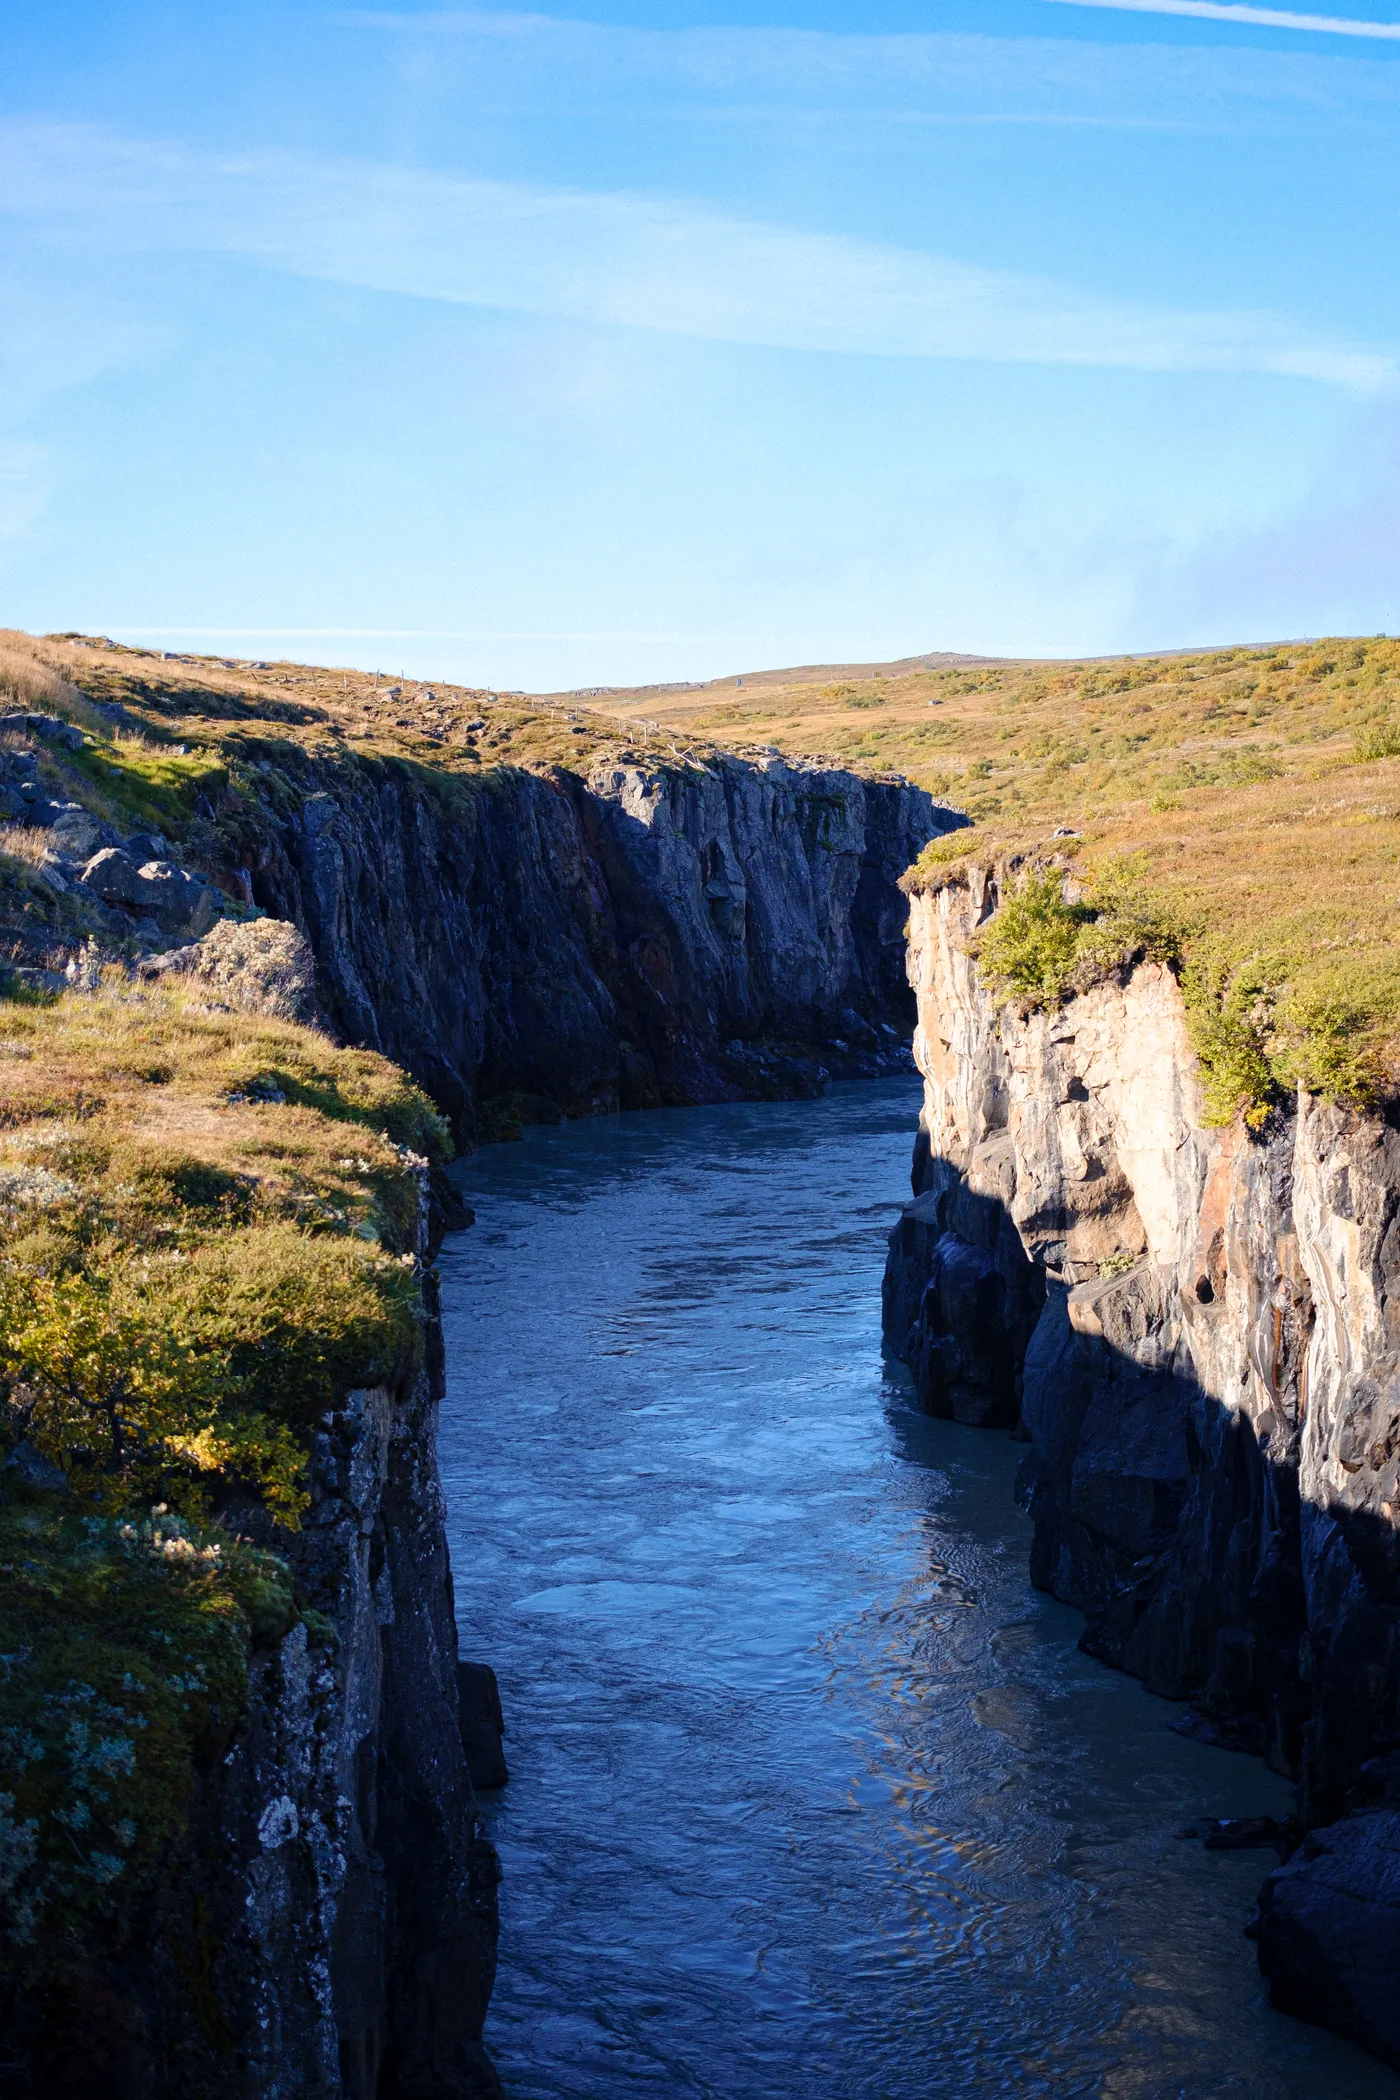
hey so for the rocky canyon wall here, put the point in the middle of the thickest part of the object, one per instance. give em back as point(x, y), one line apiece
point(536, 943)
point(526, 944)
point(325, 1928)
point(1197, 1331)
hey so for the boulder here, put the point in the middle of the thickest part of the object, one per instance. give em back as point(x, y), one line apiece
point(1328, 1930)
point(49, 727)
point(113, 876)
point(38, 809)
point(482, 1724)
point(177, 901)
point(78, 834)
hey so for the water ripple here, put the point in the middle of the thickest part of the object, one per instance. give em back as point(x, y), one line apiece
point(811, 1793)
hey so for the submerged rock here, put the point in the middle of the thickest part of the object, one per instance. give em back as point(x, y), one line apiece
point(1328, 1929)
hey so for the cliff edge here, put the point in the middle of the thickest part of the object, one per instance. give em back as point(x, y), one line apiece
point(239, 1851)
point(1195, 1327)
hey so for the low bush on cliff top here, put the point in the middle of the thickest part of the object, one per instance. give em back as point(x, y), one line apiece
point(1261, 1023)
point(207, 1225)
point(1031, 947)
point(1042, 944)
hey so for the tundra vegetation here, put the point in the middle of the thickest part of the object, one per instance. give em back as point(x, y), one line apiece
point(1235, 812)
point(207, 1230)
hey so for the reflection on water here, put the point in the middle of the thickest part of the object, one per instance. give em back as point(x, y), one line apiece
point(811, 1793)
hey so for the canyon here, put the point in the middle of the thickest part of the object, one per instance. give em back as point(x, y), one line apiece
point(1187, 1319)
point(635, 936)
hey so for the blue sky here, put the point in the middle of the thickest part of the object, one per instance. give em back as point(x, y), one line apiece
point(616, 342)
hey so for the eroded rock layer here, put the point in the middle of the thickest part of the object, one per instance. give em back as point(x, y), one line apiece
point(1197, 1329)
point(543, 943)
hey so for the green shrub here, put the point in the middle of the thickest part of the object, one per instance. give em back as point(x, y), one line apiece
point(1029, 948)
point(1380, 740)
point(142, 1375)
point(1131, 921)
point(1228, 1015)
point(941, 853)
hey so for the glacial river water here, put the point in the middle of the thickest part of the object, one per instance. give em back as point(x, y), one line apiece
point(812, 1794)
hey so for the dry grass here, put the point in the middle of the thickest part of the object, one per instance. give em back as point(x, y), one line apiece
point(170, 1172)
point(219, 706)
point(1258, 790)
point(131, 1064)
point(26, 842)
point(31, 682)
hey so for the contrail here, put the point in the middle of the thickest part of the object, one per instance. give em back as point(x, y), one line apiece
point(1256, 17)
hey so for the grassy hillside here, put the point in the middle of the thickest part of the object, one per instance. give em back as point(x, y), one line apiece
point(191, 748)
point(1249, 798)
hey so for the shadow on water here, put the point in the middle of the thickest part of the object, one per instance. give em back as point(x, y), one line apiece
point(811, 1792)
point(1174, 1522)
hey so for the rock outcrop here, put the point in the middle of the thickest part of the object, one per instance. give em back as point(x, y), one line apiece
point(1197, 1330)
point(536, 944)
point(327, 1929)
point(1328, 1928)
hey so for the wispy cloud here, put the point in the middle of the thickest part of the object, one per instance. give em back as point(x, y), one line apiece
point(622, 260)
point(1251, 17)
point(454, 61)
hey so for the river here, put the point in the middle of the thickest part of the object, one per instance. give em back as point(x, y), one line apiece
point(811, 1793)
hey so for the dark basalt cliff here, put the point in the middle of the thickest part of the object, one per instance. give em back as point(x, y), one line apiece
point(327, 1926)
point(1197, 1329)
point(537, 944)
